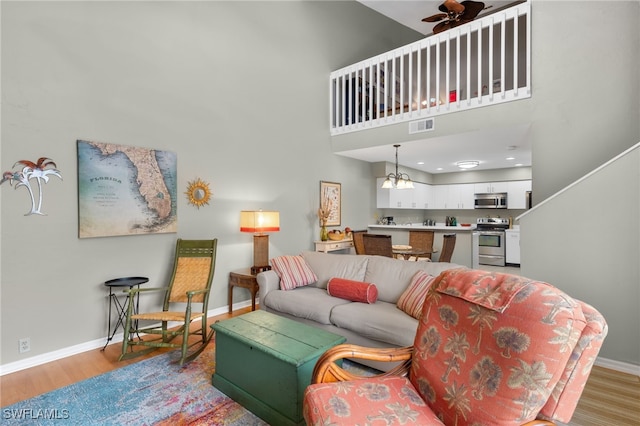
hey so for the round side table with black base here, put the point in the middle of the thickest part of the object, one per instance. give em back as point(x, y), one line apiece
point(121, 308)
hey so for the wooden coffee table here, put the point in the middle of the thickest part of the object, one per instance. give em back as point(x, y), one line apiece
point(264, 362)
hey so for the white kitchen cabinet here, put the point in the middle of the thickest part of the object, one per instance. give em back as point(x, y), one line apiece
point(466, 199)
point(449, 197)
point(490, 187)
point(517, 194)
point(422, 196)
point(453, 197)
point(429, 197)
point(401, 198)
point(440, 197)
point(460, 196)
point(512, 246)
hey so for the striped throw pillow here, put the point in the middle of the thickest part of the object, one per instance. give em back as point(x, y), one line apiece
point(293, 272)
point(412, 298)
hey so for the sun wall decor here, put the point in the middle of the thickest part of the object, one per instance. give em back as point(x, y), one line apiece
point(198, 193)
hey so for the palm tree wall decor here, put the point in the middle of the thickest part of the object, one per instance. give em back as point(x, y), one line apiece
point(38, 171)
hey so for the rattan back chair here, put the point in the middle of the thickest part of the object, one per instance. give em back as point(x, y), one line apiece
point(377, 245)
point(190, 284)
point(448, 244)
point(358, 243)
point(421, 240)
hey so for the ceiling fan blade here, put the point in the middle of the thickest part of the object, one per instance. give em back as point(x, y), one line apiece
point(442, 26)
point(452, 6)
point(435, 18)
point(471, 10)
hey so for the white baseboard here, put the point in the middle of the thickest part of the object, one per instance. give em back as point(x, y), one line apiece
point(34, 361)
point(623, 367)
point(12, 367)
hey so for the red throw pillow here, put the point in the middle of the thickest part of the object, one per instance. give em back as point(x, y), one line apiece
point(356, 291)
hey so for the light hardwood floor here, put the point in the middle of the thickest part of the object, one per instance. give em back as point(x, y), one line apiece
point(53, 375)
point(610, 398)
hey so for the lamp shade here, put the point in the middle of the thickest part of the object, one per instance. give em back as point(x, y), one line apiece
point(259, 221)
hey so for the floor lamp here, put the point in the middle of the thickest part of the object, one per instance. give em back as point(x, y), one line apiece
point(259, 222)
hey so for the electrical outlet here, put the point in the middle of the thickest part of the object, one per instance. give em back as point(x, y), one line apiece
point(24, 345)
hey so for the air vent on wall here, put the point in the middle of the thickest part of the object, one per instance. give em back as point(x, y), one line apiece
point(421, 126)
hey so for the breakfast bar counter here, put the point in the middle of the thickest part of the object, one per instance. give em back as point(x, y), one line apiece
point(420, 227)
point(463, 249)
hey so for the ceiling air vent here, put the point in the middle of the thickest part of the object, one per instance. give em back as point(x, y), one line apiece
point(421, 126)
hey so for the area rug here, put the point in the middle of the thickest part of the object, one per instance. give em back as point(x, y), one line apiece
point(156, 391)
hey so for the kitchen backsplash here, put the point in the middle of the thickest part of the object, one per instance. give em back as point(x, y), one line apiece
point(404, 217)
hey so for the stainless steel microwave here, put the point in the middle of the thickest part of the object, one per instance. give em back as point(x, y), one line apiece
point(496, 200)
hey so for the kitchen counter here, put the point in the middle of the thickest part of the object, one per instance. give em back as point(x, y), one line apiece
point(438, 227)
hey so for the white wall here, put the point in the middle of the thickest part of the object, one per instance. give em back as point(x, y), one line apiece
point(592, 253)
point(237, 89)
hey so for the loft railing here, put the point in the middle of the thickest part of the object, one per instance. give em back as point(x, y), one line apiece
point(484, 62)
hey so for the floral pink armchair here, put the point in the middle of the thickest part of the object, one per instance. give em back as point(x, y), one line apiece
point(490, 349)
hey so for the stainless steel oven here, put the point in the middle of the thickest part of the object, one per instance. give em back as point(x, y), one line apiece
point(491, 240)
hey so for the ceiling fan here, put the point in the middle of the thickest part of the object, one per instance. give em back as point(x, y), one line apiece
point(454, 14)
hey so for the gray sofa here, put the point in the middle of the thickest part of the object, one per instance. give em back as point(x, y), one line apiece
point(380, 324)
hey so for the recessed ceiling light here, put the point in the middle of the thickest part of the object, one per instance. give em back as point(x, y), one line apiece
point(467, 164)
point(519, 164)
point(421, 162)
point(510, 158)
point(439, 168)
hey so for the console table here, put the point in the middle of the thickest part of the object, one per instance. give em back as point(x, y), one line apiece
point(329, 245)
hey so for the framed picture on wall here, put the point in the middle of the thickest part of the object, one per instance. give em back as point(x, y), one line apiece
point(125, 190)
point(330, 199)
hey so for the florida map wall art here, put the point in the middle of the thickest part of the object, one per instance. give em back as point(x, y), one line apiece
point(38, 172)
point(125, 190)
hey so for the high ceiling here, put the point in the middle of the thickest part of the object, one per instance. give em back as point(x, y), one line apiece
point(491, 147)
point(410, 13)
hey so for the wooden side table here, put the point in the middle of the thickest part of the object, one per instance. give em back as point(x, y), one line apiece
point(243, 278)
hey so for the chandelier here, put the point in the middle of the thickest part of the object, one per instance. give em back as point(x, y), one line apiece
point(397, 180)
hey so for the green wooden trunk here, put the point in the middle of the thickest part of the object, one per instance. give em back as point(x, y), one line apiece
point(264, 362)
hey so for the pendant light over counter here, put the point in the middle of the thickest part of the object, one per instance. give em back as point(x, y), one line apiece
point(397, 180)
